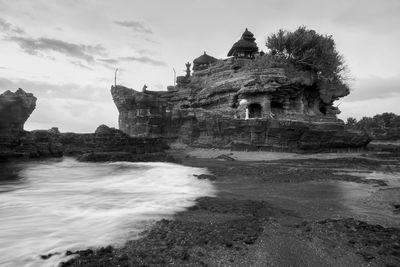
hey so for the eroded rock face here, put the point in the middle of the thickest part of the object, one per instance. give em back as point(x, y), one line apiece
point(110, 144)
point(15, 109)
point(105, 144)
point(238, 103)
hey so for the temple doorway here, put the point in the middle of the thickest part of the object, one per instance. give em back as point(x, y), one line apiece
point(254, 111)
point(276, 107)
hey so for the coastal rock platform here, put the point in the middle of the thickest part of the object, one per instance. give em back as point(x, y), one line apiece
point(279, 212)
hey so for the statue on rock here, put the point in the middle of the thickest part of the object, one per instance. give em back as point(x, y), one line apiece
point(188, 65)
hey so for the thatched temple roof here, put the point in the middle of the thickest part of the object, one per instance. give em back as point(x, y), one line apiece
point(205, 59)
point(245, 44)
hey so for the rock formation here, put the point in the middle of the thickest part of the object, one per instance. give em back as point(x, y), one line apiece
point(243, 103)
point(106, 144)
point(15, 109)
point(110, 144)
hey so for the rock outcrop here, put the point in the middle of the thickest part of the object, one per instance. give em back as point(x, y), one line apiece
point(15, 109)
point(110, 144)
point(15, 142)
point(241, 104)
point(106, 144)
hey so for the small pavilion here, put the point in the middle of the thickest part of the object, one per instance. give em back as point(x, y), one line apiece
point(203, 61)
point(246, 47)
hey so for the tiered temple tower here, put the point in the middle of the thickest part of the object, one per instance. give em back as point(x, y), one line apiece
point(246, 47)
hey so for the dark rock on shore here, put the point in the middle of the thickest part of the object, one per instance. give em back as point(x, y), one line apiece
point(110, 144)
point(261, 218)
point(372, 242)
point(229, 228)
point(15, 142)
point(210, 177)
point(225, 157)
point(125, 156)
point(105, 144)
point(15, 109)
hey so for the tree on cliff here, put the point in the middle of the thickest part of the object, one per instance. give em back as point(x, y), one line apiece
point(309, 50)
point(351, 122)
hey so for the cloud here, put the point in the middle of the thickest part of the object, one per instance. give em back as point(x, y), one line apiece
point(379, 17)
point(8, 27)
point(140, 59)
point(136, 26)
point(38, 46)
point(79, 64)
point(374, 87)
point(369, 107)
point(145, 59)
point(108, 60)
point(54, 90)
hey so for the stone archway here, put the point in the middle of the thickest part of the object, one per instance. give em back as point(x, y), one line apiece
point(255, 111)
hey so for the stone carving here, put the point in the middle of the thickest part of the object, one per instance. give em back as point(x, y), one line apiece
point(188, 69)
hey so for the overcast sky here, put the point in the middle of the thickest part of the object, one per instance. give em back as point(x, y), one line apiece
point(65, 51)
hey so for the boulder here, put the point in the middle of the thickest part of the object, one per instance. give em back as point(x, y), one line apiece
point(15, 109)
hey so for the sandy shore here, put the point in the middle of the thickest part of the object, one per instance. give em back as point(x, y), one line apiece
point(276, 209)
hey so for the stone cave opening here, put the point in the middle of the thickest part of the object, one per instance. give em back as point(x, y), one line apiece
point(322, 109)
point(255, 110)
point(276, 107)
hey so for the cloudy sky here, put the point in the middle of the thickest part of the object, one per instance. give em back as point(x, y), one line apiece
point(65, 51)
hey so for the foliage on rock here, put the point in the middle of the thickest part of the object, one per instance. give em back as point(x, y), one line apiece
point(310, 51)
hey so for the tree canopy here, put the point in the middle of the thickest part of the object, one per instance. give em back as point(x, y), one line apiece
point(381, 126)
point(310, 50)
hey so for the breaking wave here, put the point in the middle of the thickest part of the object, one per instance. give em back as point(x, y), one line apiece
point(54, 206)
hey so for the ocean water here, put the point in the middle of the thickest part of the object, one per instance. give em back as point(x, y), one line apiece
point(57, 205)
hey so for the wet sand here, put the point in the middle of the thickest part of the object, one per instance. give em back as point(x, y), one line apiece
point(276, 210)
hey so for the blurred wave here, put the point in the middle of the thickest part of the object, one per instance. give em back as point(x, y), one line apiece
point(54, 206)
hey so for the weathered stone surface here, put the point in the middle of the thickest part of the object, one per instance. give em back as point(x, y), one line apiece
point(288, 109)
point(106, 144)
point(15, 109)
point(125, 156)
point(110, 144)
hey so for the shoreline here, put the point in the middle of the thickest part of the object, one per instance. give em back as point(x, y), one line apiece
point(272, 213)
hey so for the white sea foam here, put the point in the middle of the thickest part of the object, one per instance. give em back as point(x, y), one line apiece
point(68, 205)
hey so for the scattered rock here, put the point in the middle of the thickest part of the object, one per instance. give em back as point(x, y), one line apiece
point(225, 157)
point(372, 242)
point(210, 177)
point(45, 257)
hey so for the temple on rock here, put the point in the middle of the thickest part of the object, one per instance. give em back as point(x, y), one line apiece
point(203, 62)
point(246, 101)
point(246, 47)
